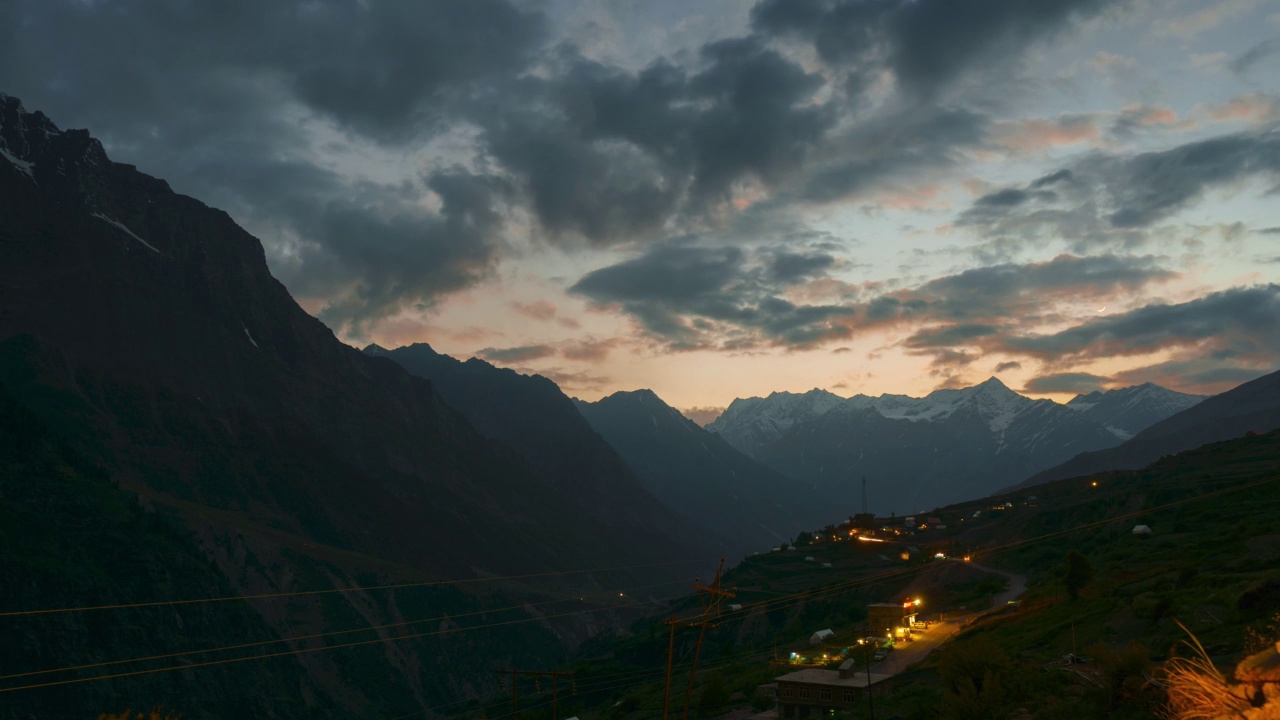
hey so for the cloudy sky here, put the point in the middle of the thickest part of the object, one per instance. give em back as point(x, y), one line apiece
point(724, 198)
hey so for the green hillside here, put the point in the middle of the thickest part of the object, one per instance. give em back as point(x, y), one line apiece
point(1211, 562)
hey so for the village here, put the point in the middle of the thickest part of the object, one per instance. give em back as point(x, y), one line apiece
point(839, 669)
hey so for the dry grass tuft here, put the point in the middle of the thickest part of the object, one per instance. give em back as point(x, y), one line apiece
point(1197, 690)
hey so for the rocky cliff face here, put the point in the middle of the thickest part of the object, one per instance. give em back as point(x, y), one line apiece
point(146, 329)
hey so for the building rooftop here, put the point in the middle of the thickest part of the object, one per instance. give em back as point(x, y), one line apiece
point(819, 676)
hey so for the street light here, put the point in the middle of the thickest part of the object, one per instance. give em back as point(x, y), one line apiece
point(871, 704)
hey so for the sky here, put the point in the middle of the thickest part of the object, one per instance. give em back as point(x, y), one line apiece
point(722, 199)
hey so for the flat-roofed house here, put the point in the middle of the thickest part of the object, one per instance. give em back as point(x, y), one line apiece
point(815, 692)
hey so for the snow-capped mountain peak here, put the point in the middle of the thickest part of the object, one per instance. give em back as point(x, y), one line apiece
point(1127, 411)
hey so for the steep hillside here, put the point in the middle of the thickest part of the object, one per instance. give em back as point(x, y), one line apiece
point(146, 330)
point(530, 415)
point(1252, 407)
point(696, 471)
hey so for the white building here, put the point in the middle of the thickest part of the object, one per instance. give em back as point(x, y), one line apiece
point(820, 636)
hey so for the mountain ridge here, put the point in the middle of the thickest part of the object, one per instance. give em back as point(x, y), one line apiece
point(147, 327)
point(992, 433)
point(1251, 407)
point(696, 471)
point(531, 415)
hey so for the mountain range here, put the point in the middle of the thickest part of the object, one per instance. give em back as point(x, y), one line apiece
point(530, 415)
point(920, 453)
point(1253, 407)
point(175, 425)
point(696, 471)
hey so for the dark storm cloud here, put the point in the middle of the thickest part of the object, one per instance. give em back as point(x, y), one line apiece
point(1240, 321)
point(373, 66)
point(1255, 55)
point(1149, 186)
point(608, 154)
point(949, 335)
point(758, 122)
point(1009, 365)
point(209, 95)
point(1071, 382)
point(790, 267)
point(927, 43)
point(1114, 199)
point(692, 296)
point(667, 283)
point(675, 272)
point(1025, 289)
point(520, 354)
point(1004, 198)
point(382, 261)
point(223, 99)
point(1050, 179)
point(890, 147)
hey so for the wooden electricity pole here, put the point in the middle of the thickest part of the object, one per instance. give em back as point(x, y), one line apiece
point(714, 595)
point(515, 688)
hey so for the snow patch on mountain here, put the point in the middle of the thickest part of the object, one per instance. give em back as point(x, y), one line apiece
point(120, 226)
point(25, 167)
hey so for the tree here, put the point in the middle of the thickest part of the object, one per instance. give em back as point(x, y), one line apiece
point(1077, 572)
point(761, 701)
point(971, 678)
point(715, 694)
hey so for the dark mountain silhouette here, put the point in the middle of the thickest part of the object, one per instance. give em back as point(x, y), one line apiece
point(531, 415)
point(1251, 407)
point(145, 330)
point(696, 471)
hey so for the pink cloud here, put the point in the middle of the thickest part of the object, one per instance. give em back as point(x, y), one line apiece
point(924, 197)
point(1253, 107)
point(1038, 134)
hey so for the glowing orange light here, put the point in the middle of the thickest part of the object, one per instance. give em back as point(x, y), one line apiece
point(864, 538)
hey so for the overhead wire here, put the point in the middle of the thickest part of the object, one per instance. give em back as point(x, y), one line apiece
point(302, 651)
point(313, 636)
point(772, 604)
point(329, 591)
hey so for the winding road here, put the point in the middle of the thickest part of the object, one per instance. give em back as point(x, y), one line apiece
point(909, 654)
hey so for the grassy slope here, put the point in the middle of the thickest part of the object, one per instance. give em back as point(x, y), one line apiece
point(1212, 562)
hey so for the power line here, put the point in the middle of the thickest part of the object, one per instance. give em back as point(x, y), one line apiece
point(430, 583)
point(607, 593)
point(799, 597)
point(302, 651)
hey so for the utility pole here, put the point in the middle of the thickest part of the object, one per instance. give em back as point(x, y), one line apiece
point(710, 608)
point(866, 658)
point(671, 652)
point(515, 688)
